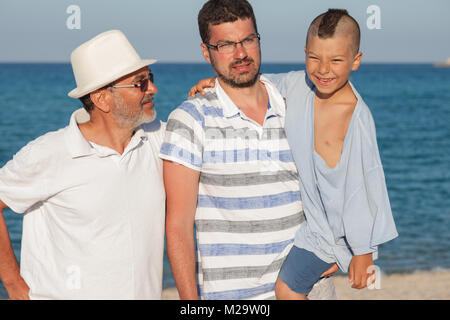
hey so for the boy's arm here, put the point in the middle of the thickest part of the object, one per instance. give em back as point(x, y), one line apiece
point(282, 81)
point(9, 268)
point(358, 224)
point(181, 184)
point(368, 219)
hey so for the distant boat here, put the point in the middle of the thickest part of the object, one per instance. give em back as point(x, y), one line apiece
point(443, 64)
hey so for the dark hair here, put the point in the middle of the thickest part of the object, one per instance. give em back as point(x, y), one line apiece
point(324, 26)
point(86, 100)
point(88, 105)
point(220, 11)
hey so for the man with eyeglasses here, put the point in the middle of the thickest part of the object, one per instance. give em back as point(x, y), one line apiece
point(92, 192)
point(228, 169)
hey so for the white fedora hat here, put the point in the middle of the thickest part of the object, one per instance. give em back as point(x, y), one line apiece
point(102, 60)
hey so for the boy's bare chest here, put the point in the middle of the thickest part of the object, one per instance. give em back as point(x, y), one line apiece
point(330, 127)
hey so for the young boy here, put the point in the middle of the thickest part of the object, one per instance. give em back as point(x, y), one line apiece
point(333, 141)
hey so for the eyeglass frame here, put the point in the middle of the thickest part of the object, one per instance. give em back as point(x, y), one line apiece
point(138, 85)
point(216, 47)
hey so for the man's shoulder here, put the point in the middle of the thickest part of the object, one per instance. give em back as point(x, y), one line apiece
point(198, 107)
point(155, 130)
point(43, 148)
point(209, 98)
point(49, 140)
point(201, 103)
point(155, 126)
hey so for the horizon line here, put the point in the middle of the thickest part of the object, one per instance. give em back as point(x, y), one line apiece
point(204, 62)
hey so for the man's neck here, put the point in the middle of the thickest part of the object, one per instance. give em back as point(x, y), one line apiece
point(106, 132)
point(252, 100)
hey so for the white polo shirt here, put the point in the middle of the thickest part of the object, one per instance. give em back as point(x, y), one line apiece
point(94, 219)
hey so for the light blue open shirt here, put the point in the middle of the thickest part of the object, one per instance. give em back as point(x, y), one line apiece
point(347, 207)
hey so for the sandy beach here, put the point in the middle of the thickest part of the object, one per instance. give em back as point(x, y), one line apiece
point(415, 286)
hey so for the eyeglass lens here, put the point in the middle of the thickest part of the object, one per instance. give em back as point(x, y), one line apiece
point(144, 82)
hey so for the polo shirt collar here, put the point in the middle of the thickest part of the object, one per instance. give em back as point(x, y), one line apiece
point(77, 144)
point(229, 108)
point(80, 147)
point(276, 103)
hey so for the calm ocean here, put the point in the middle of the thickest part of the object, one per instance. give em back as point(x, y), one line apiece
point(410, 104)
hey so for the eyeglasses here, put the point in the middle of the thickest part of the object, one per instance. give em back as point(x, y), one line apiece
point(248, 43)
point(143, 84)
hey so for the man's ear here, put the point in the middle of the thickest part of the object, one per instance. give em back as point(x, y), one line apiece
point(102, 99)
point(205, 52)
point(357, 61)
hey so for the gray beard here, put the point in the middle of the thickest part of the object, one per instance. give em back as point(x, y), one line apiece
point(125, 119)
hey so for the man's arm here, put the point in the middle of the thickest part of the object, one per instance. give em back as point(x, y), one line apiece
point(181, 184)
point(9, 268)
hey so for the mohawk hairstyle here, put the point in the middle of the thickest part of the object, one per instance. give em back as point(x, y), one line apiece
point(334, 21)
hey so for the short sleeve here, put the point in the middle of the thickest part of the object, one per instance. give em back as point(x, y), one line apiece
point(183, 140)
point(23, 181)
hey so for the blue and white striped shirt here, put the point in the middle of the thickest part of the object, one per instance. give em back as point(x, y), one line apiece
point(249, 206)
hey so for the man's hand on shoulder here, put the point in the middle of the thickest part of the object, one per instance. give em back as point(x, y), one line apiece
point(201, 86)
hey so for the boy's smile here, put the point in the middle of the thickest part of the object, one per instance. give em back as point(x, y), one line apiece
point(329, 63)
point(325, 82)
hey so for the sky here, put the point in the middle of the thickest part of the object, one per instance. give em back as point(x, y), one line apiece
point(406, 31)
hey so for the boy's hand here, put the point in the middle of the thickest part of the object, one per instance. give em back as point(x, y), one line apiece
point(201, 85)
point(357, 274)
point(330, 271)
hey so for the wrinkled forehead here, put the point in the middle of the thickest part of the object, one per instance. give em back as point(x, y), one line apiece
point(232, 31)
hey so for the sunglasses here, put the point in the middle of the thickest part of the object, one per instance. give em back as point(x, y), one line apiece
point(143, 84)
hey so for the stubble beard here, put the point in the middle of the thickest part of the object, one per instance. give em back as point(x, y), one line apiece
point(239, 81)
point(131, 119)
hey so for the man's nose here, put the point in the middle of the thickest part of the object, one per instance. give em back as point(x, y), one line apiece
point(239, 51)
point(151, 88)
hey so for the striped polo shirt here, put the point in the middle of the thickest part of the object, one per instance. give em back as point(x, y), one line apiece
point(248, 206)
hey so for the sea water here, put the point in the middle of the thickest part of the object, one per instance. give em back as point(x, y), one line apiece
point(409, 102)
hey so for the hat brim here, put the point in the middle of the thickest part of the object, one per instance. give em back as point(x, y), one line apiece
point(82, 91)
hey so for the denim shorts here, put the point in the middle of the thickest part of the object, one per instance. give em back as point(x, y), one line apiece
point(302, 269)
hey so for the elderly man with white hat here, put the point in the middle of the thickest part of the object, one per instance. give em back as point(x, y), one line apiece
point(92, 192)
